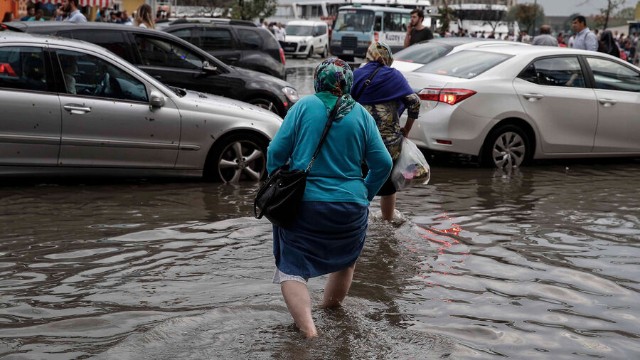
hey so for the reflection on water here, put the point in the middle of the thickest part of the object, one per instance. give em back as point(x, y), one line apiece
point(539, 263)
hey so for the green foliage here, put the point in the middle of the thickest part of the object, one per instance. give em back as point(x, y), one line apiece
point(527, 15)
point(253, 9)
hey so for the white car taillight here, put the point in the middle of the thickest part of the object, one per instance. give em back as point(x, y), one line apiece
point(448, 96)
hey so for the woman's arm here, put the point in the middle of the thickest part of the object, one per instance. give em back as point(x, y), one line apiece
point(412, 104)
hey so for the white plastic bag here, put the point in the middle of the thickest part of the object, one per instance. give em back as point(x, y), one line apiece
point(411, 168)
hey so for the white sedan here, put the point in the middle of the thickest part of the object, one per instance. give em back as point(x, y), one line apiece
point(417, 55)
point(509, 105)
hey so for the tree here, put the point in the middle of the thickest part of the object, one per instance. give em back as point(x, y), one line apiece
point(612, 5)
point(446, 14)
point(252, 9)
point(527, 15)
point(628, 13)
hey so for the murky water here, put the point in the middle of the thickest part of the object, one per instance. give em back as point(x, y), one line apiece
point(541, 263)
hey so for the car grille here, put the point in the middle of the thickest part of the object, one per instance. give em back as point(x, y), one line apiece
point(289, 46)
point(349, 42)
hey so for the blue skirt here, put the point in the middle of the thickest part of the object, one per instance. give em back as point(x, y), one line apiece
point(325, 237)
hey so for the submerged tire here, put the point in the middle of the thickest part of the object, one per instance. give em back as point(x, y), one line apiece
point(507, 146)
point(238, 157)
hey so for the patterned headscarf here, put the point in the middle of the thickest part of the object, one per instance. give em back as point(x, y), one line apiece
point(379, 52)
point(334, 76)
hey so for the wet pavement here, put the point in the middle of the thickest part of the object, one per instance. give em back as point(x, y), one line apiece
point(538, 263)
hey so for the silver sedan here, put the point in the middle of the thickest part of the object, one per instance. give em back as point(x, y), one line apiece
point(509, 105)
point(70, 107)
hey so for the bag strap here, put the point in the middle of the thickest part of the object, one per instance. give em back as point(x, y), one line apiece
point(327, 126)
point(366, 83)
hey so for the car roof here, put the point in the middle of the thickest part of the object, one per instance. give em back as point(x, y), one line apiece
point(38, 26)
point(209, 20)
point(49, 39)
point(536, 50)
point(455, 41)
point(27, 26)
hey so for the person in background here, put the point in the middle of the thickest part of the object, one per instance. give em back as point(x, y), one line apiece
point(584, 38)
point(8, 17)
point(69, 68)
point(125, 19)
point(59, 14)
point(629, 50)
point(71, 8)
point(279, 32)
point(114, 17)
point(31, 12)
point(607, 44)
point(328, 234)
point(144, 17)
point(560, 40)
point(545, 38)
point(386, 97)
point(39, 16)
point(417, 32)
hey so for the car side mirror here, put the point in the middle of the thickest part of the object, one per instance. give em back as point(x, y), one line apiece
point(156, 100)
point(208, 67)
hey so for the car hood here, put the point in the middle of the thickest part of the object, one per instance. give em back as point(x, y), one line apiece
point(255, 75)
point(218, 104)
point(296, 38)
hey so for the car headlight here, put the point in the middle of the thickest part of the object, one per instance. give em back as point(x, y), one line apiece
point(303, 42)
point(291, 94)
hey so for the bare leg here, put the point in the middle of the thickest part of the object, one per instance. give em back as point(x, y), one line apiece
point(296, 296)
point(388, 206)
point(337, 287)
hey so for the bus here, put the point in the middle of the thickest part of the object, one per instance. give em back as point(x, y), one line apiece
point(482, 20)
point(355, 27)
point(327, 10)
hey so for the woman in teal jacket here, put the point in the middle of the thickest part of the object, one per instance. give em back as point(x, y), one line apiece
point(329, 231)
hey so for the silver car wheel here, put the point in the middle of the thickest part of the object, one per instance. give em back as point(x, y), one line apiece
point(239, 158)
point(509, 150)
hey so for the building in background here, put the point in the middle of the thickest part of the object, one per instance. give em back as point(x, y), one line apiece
point(507, 3)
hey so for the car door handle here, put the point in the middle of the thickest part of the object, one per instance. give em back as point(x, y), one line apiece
point(77, 109)
point(607, 102)
point(533, 97)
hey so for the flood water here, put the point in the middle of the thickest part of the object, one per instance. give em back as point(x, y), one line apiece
point(540, 263)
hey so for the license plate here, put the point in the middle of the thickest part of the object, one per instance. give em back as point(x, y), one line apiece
point(348, 52)
point(290, 49)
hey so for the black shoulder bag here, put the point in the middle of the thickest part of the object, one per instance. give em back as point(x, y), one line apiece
point(279, 197)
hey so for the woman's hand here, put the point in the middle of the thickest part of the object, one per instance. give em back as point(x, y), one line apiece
point(407, 127)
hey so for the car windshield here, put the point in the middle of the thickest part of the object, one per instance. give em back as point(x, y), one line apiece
point(354, 20)
point(423, 53)
point(299, 30)
point(464, 64)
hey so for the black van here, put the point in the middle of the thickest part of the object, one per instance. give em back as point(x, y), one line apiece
point(174, 61)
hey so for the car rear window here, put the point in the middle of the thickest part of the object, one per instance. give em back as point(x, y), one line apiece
point(464, 64)
point(423, 53)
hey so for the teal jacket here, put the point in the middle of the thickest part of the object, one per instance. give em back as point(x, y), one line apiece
point(336, 175)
